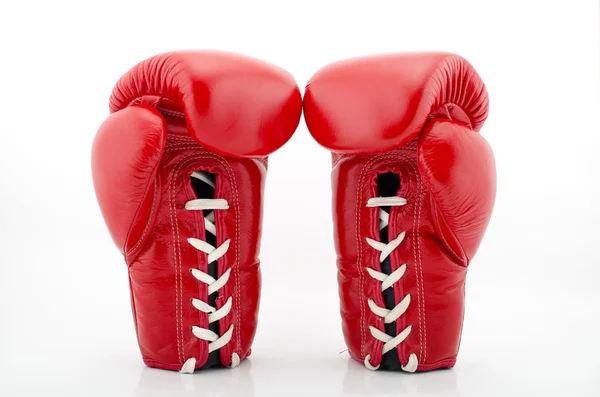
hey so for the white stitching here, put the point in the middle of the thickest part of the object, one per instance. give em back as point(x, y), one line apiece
point(180, 138)
point(422, 291)
point(359, 260)
point(179, 147)
point(237, 259)
point(419, 265)
point(415, 251)
point(417, 257)
point(178, 331)
point(171, 112)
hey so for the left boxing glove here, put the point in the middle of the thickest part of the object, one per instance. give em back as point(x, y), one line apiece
point(179, 169)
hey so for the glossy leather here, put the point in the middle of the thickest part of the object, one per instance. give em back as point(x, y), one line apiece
point(374, 104)
point(252, 104)
point(416, 115)
point(142, 159)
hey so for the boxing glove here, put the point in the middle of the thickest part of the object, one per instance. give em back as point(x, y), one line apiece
point(413, 191)
point(179, 170)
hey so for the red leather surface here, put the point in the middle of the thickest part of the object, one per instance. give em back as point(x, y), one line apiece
point(142, 159)
point(415, 115)
point(119, 138)
point(378, 103)
point(254, 105)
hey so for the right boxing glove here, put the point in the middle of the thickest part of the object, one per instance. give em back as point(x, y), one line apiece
point(413, 190)
point(179, 169)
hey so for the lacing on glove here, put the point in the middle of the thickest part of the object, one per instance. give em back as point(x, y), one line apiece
point(214, 285)
point(387, 281)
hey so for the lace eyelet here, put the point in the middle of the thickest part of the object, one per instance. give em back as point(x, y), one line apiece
point(235, 360)
point(368, 363)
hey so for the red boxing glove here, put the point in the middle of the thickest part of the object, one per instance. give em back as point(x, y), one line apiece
point(179, 169)
point(413, 191)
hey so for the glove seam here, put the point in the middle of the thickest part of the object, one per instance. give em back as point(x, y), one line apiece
point(418, 261)
point(190, 143)
point(418, 258)
point(177, 256)
point(360, 256)
point(138, 100)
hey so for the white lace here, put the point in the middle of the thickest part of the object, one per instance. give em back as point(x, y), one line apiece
point(387, 281)
point(214, 285)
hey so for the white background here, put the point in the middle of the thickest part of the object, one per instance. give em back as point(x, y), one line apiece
point(532, 322)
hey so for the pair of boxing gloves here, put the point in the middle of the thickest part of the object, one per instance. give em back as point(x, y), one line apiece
point(179, 171)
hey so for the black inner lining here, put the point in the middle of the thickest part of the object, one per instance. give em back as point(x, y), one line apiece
point(205, 191)
point(388, 185)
